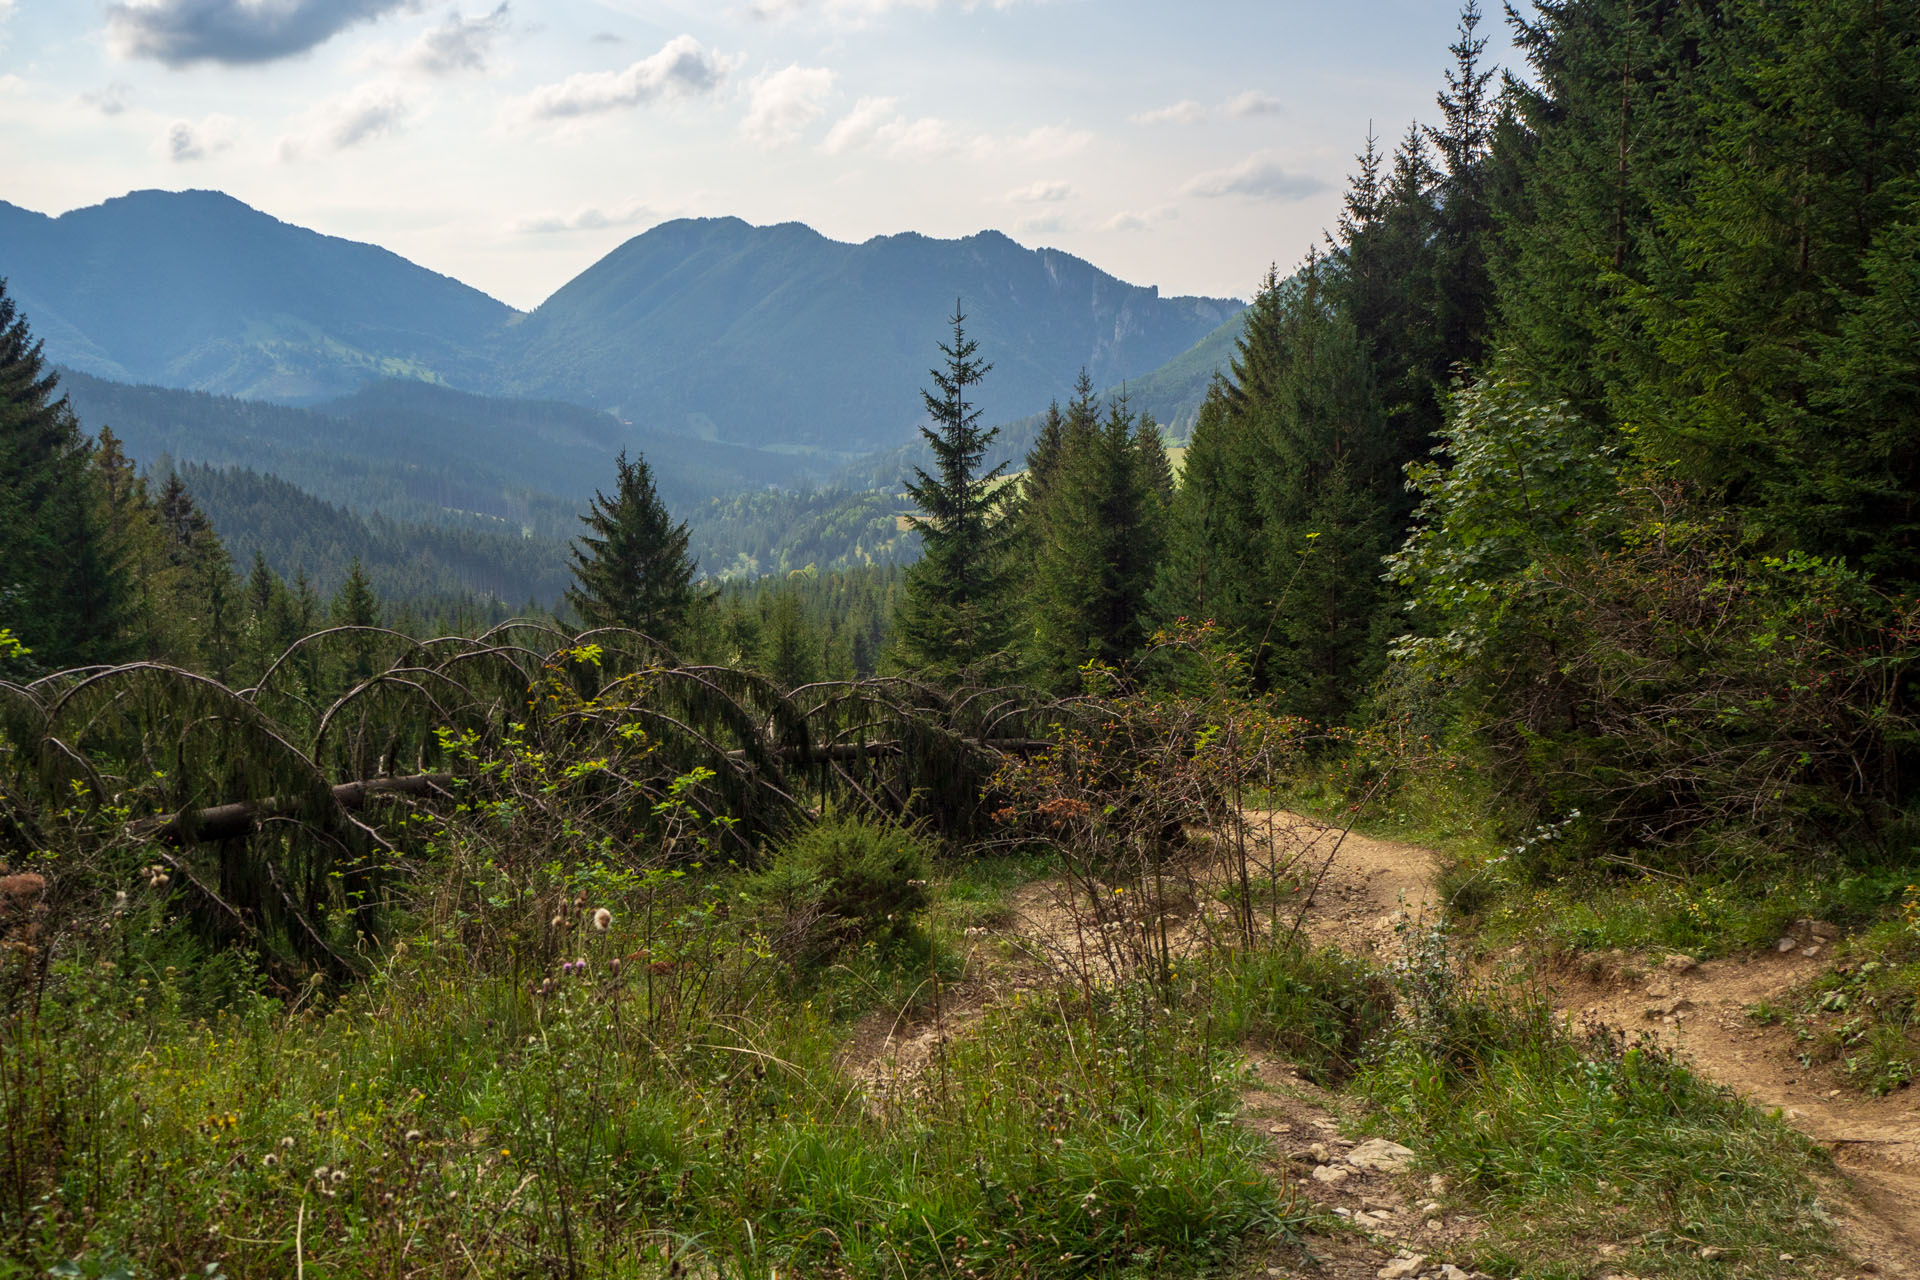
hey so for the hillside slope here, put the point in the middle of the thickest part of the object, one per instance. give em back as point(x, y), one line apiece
point(195, 289)
point(763, 335)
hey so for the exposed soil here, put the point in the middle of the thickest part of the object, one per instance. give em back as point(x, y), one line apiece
point(1362, 891)
point(1701, 1012)
point(1374, 885)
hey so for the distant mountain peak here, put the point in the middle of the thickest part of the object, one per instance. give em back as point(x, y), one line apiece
point(706, 327)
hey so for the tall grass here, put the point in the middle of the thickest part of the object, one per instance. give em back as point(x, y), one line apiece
point(1566, 1138)
point(444, 1119)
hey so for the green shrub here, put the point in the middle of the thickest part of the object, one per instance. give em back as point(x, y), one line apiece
point(840, 883)
point(1321, 1009)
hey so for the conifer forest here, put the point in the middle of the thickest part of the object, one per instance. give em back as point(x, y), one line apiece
point(1447, 808)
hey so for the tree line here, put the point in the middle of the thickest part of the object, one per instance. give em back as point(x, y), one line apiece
point(1585, 442)
point(1588, 441)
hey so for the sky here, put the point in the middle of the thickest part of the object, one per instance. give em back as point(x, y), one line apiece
point(511, 143)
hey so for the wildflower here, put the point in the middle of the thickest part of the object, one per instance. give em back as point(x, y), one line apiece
point(286, 1144)
point(270, 1160)
point(601, 919)
point(320, 1173)
point(339, 1176)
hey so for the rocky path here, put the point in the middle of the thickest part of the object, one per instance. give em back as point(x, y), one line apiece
point(1700, 1011)
point(1363, 891)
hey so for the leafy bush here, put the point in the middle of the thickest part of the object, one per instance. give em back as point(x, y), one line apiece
point(839, 883)
point(1625, 652)
point(1322, 1009)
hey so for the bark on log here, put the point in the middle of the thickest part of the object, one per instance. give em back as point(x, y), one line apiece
point(227, 821)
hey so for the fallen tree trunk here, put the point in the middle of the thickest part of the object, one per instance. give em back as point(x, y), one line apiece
point(237, 818)
point(226, 821)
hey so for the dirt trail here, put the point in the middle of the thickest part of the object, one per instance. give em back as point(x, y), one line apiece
point(1701, 1012)
point(1363, 891)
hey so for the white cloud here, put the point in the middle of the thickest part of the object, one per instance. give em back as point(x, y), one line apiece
point(187, 140)
point(1140, 219)
point(784, 103)
point(6, 14)
point(928, 138)
point(1258, 177)
point(1045, 224)
point(857, 11)
point(682, 69)
point(110, 101)
point(363, 113)
point(878, 122)
point(182, 32)
point(1185, 112)
point(1254, 103)
point(1041, 192)
point(1048, 142)
point(590, 218)
point(861, 125)
point(459, 43)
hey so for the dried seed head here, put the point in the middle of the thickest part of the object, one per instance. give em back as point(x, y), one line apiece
point(286, 1144)
point(270, 1160)
point(602, 919)
point(339, 1176)
point(414, 1135)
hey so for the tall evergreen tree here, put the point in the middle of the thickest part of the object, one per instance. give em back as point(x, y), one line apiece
point(356, 605)
point(1384, 274)
point(632, 568)
point(1100, 547)
point(62, 583)
point(1284, 512)
point(1463, 290)
point(955, 616)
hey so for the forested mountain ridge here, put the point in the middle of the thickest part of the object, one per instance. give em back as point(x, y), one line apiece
point(779, 335)
point(405, 449)
point(708, 328)
point(195, 289)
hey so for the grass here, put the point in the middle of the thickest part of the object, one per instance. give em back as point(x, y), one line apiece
point(1701, 916)
point(528, 1087)
point(457, 1115)
point(1563, 1140)
point(1861, 1014)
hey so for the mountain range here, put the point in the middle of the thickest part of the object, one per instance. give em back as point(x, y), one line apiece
point(768, 337)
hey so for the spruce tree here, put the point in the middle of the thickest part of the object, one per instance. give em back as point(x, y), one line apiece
point(63, 585)
point(790, 646)
point(954, 617)
point(1287, 505)
point(356, 605)
point(1384, 273)
point(631, 569)
point(1462, 286)
point(1100, 548)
